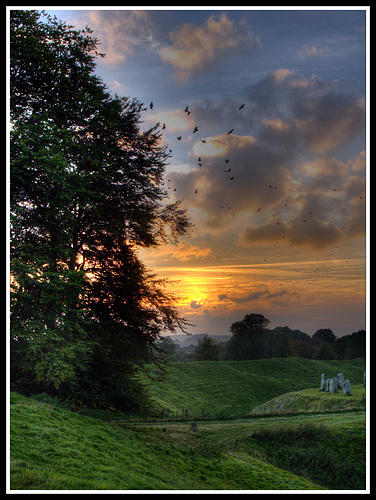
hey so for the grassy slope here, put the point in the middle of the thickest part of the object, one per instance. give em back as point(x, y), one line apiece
point(236, 387)
point(54, 449)
point(314, 400)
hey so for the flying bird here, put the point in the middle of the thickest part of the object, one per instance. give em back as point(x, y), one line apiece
point(196, 191)
point(179, 138)
point(241, 107)
point(151, 105)
point(164, 126)
point(226, 161)
point(187, 111)
point(203, 140)
point(231, 178)
point(230, 132)
point(195, 130)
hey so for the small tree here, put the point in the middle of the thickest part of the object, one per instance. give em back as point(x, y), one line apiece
point(324, 335)
point(324, 351)
point(284, 348)
point(207, 350)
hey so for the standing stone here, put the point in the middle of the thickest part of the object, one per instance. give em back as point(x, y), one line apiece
point(347, 388)
point(322, 385)
point(327, 384)
point(193, 426)
point(332, 388)
point(341, 379)
point(335, 381)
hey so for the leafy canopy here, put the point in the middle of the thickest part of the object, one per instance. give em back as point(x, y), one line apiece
point(86, 189)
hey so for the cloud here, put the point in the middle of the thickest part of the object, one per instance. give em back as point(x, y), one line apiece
point(175, 120)
point(195, 49)
point(265, 295)
point(183, 252)
point(282, 177)
point(322, 115)
point(195, 304)
point(253, 168)
point(311, 51)
point(119, 35)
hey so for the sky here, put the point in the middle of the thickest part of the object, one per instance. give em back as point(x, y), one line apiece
point(265, 114)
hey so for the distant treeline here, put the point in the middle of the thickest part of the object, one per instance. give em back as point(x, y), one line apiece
point(281, 341)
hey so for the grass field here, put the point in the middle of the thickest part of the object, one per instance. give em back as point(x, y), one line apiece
point(55, 449)
point(235, 388)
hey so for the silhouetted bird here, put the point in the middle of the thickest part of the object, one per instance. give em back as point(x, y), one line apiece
point(203, 140)
point(151, 105)
point(196, 191)
point(229, 170)
point(231, 178)
point(179, 138)
point(242, 106)
point(199, 158)
point(259, 209)
point(164, 126)
point(226, 161)
point(195, 130)
point(230, 132)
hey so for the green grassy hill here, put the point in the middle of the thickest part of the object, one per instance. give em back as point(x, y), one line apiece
point(234, 388)
point(314, 400)
point(55, 449)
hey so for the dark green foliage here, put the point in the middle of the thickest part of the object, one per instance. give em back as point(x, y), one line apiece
point(324, 351)
point(324, 335)
point(249, 339)
point(86, 189)
point(206, 350)
point(284, 348)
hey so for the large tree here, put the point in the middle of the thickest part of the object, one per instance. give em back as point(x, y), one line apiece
point(250, 338)
point(86, 189)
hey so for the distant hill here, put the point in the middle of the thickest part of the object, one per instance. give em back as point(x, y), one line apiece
point(236, 387)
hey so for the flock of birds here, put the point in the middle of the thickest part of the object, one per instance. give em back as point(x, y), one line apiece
point(179, 138)
point(280, 239)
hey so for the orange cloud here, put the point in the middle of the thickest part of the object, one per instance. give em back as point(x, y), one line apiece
point(183, 252)
point(197, 48)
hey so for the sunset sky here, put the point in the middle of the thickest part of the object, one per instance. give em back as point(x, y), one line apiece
point(274, 176)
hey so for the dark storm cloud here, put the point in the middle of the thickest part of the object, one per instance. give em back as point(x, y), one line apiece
point(286, 159)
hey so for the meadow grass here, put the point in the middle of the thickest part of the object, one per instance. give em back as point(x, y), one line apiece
point(52, 448)
point(234, 388)
point(313, 400)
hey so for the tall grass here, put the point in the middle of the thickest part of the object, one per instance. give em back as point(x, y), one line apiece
point(335, 458)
